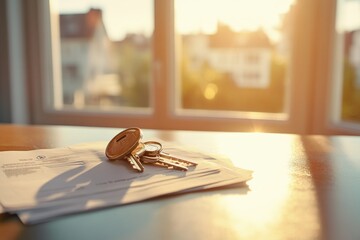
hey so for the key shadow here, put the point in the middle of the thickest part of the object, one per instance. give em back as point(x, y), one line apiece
point(110, 178)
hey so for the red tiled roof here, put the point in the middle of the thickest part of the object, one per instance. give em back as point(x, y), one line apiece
point(80, 25)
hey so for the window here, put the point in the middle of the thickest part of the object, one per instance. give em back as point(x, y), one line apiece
point(348, 36)
point(337, 105)
point(231, 65)
point(252, 58)
point(111, 53)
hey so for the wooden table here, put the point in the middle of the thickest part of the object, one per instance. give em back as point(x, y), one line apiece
point(303, 187)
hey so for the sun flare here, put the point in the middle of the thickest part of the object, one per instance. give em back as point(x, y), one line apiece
point(203, 15)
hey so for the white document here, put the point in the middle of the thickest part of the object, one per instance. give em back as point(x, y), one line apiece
point(44, 183)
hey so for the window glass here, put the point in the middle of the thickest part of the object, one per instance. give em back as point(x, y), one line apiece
point(348, 58)
point(105, 53)
point(234, 54)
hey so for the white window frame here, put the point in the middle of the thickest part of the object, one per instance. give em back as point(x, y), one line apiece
point(306, 114)
point(326, 113)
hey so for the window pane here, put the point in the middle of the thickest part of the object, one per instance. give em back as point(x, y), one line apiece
point(105, 53)
point(234, 54)
point(348, 30)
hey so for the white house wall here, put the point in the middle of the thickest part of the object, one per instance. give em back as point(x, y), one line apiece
point(255, 74)
point(92, 57)
point(74, 52)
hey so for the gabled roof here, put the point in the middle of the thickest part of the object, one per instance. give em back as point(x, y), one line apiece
point(80, 25)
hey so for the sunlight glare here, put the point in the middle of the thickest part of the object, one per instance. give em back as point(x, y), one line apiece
point(203, 16)
point(349, 16)
point(266, 202)
point(210, 91)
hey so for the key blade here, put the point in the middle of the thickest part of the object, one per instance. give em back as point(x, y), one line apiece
point(172, 163)
point(134, 164)
point(139, 165)
point(161, 162)
point(177, 159)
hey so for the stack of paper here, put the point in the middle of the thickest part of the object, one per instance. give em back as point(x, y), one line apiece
point(45, 183)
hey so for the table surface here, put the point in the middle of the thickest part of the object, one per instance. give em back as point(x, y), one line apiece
point(303, 187)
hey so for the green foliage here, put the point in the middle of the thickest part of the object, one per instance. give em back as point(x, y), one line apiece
point(229, 96)
point(350, 94)
point(135, 75)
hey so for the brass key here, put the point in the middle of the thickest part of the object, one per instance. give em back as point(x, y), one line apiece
point(126, 145)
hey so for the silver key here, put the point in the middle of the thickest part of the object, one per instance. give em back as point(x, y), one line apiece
point(153, 148)
point(159, 161)
point(181, 161)
point(154, 155)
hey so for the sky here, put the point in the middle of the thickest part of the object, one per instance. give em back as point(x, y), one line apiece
point(136, 16)
point(349, 15)
point(239, 14)
point(120, 16)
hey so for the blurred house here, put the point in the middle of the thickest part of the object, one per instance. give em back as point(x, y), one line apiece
point(86, 57)
point(246, 56)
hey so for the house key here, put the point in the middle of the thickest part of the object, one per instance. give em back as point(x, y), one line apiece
point(126, 145)
point(154, 155)
point(134, 157)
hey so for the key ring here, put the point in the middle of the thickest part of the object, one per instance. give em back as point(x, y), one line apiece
point(152, 148)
